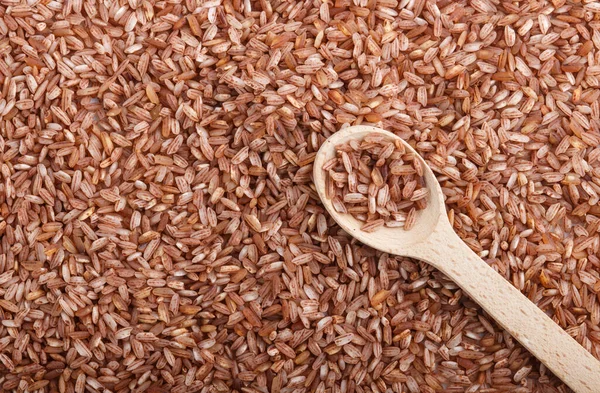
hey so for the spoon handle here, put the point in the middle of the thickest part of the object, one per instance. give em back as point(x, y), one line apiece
point(545, 339)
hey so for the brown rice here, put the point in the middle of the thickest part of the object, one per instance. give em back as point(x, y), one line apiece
point(160, 232)
point(377, 182)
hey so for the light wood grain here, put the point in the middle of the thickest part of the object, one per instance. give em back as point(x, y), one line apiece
point(433, 240)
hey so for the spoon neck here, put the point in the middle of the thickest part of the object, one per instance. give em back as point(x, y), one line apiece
point(444, 249)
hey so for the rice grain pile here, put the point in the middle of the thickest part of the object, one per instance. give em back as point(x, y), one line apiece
point(160, 231)
point(377, 182)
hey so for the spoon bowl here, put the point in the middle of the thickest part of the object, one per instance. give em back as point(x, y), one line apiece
point(433, 240)
point(402, 242)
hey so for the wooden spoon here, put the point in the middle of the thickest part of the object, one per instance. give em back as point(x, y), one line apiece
point(433, 240)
